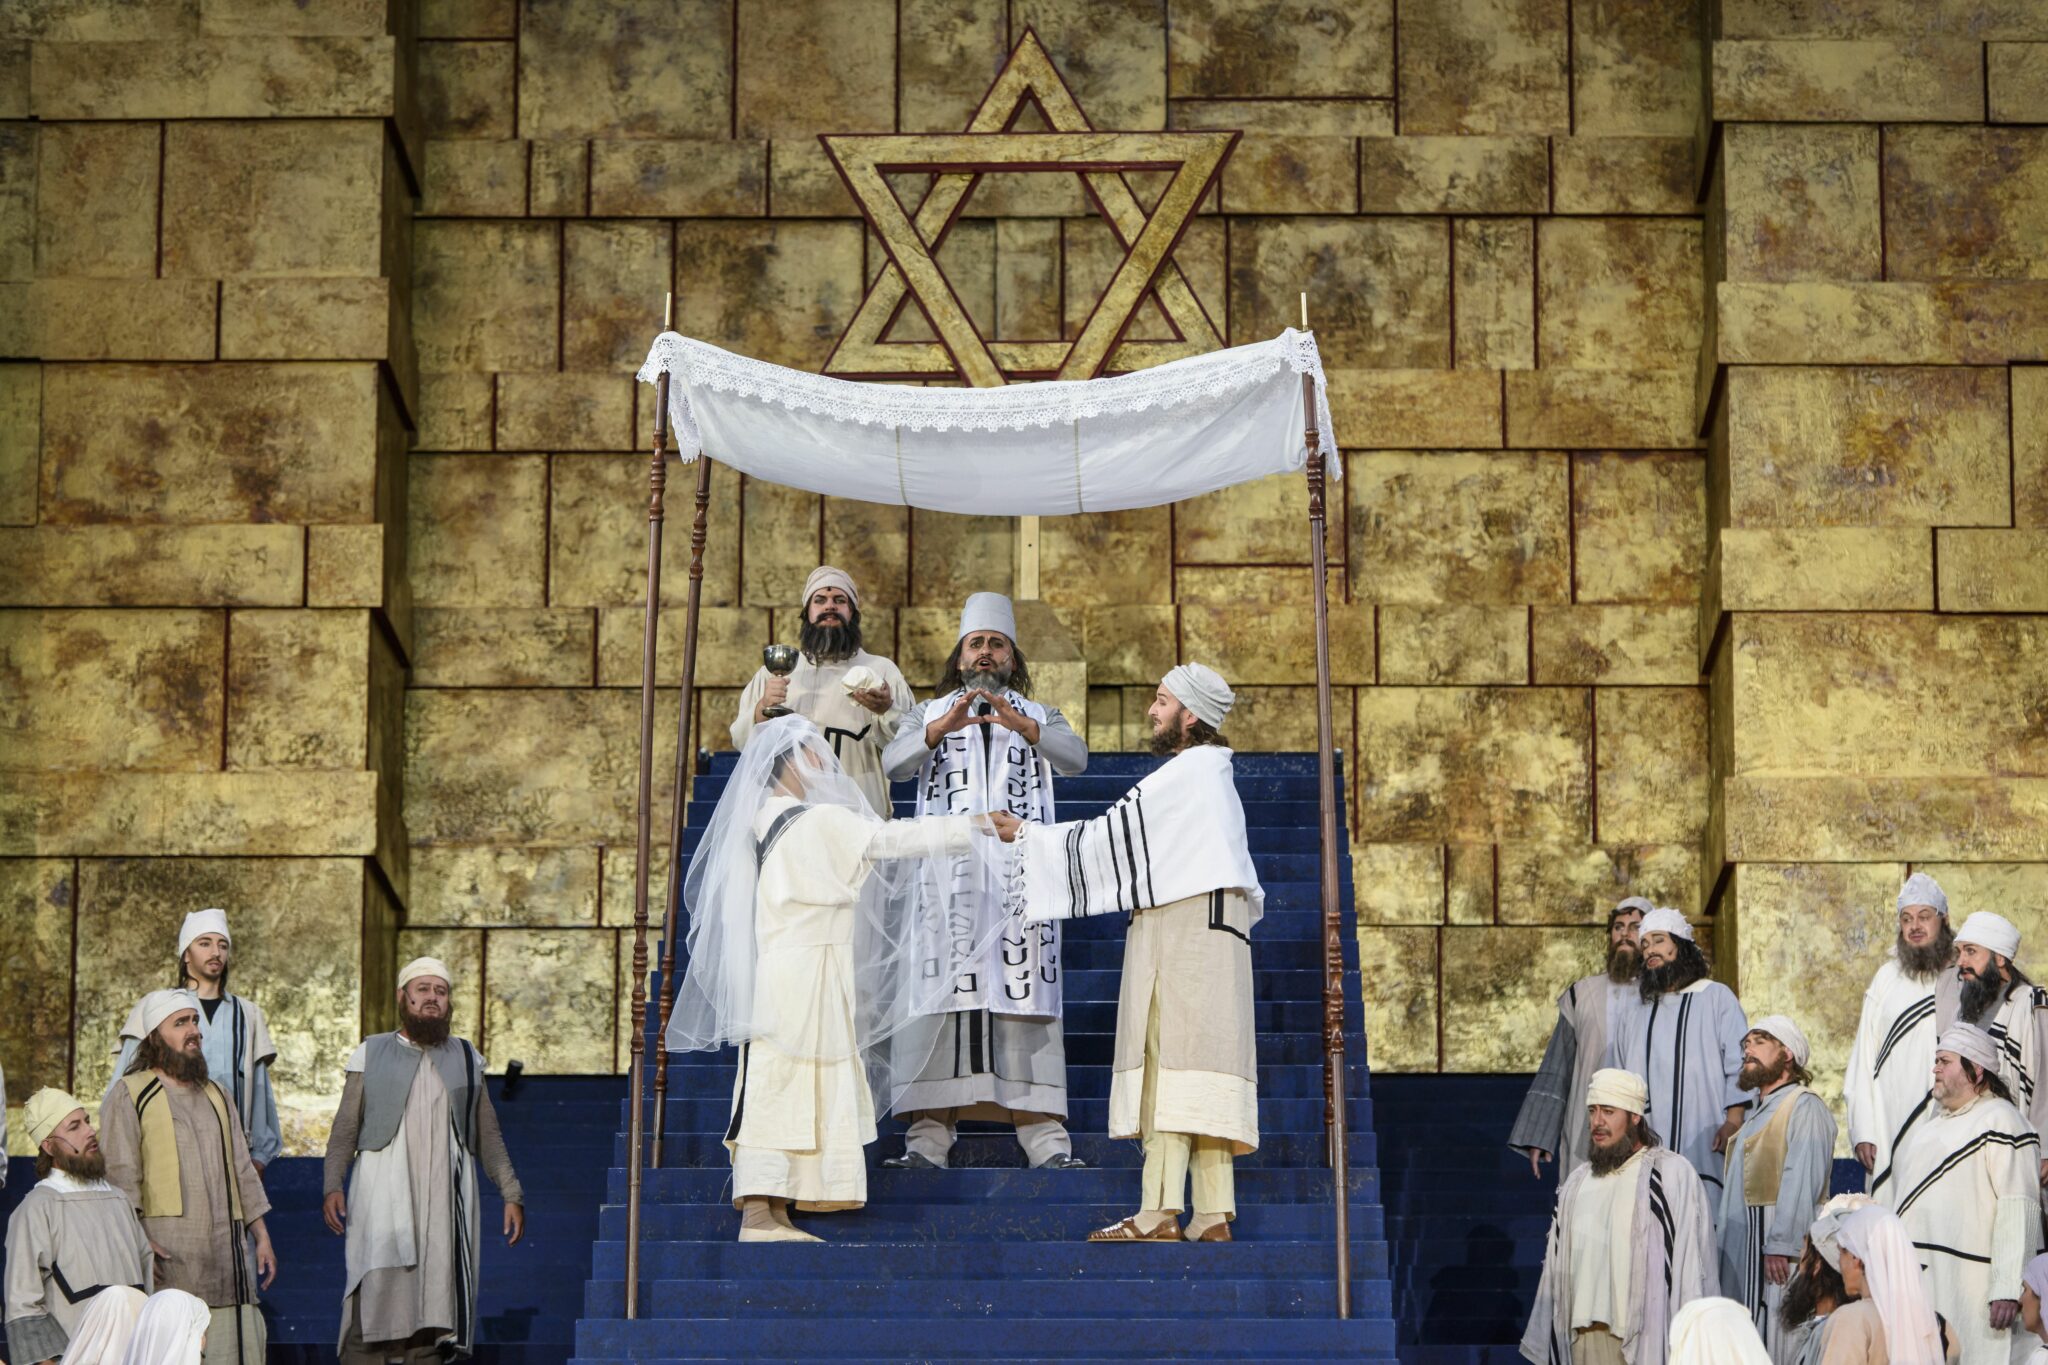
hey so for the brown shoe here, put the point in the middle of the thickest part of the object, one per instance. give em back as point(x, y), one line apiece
point(1215, 1232)
point(1127, 1230)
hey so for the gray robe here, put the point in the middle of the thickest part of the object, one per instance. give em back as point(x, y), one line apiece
point(1750, 1232)
point(1590, 1013)
point(1687, 1045)
point(67, 1241)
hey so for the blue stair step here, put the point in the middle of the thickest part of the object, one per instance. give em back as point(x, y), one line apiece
point(1109, 1338)
point(1126, 1289)
point(998, 1149)
point(726, 1258)
point(1268, 1185)
point(1041, 1222)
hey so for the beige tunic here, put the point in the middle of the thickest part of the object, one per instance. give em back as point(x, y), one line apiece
point(68, 1238)
point(1602, 1217)
point(857, 735)
point(1196, 956)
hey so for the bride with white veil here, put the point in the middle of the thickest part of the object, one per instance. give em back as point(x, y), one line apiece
point(812, 925)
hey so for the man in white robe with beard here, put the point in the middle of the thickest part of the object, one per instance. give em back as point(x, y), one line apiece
point(1686, 1043)
point(1894, 1048)
point(1589, 1013)
point(1631, 1241)
point(415, 1122)
point(1965, 1181)
point(984, 745)
point(1779, 1163)
point(855, 698)
point(1986, 987)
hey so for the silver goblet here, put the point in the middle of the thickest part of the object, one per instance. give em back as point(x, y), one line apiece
point(781, 661)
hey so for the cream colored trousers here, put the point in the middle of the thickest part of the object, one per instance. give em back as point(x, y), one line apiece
point(1171, 1158)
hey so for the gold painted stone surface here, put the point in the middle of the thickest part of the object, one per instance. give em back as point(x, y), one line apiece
point(1415, 409)
point(1904, 18)
point(1106, 558)
point(1301, 117)
point(948, 52)
point(729, 643)
point(1849, 819)
point(273, 198)
point(2019, 891)
point(1501, 988)
point(455, 412)
point(872, 543)
point(1468, 896)
point(1398, 883)
point(1578, 883)
point(168, 815)
point(548, 998)
point(639, 68)
point(1993, 570)
point(1128, 644)
point(2030, 445)
point(152, 566)
point(18, 154)
point(1966, 202)
point(1454, 174)
point(808, 66)
point(1965, 322)
point(682, 178)
point(345, 565)
point(1256, 625)
point(298, 689)
point(1494, 297)
point(1453, 644)
point(1379, 288)
point(1618, 293)
point(85, 320)
point(37, 896)
point(1636, 68)
point(465, 89)
point(237, 77)
point(1262, 522)
point(1623, 409)
point(1622, 175)
point(485, 295)
point(1639, 527)
point(1615, 645)
point(476, 530)
point(1802, 202)
point(598, 528)
point(1485, 66)
point(1401, 1019)
point(468, 18)
point(559, 176)
point(21, 439)
point(96, 199)
point(1268, 173)
point(323, 318)
point(784, 525)
point(611, 277)
point(777, 291)
point(1867, 447)
point(1108, 52)
point(1473, 764)
point(588, 411)
point(491, 887)
point(1265, 720)
point(616, 888)
point(135, 690)
point(1461, 527)
point(1217, 48)
point(1932, 80)
point(504, 647)
point(2016, 75)
point(1828, 568)
point(1652, 770)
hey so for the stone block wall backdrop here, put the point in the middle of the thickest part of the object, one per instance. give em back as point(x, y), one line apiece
point(1686, 355)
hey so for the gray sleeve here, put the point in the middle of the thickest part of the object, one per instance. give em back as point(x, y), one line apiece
point(1809, 1162)
point(1058, 745)
point(28, 1260)
point(906, 753)
point(266, 1138)
point(491, 1153)
point(36, 1338)
point(341, 1139)
point(121, 1144)
point(1540, 1124)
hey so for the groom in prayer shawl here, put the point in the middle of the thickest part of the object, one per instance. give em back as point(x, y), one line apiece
point(1631, 1241)
point(1779, 1164)
point(416, 1122)
point(1986, 987)
point(1894, 1048)
point(175, 1148)
point(1686, 1043)
point(984, 745)
point(855, 698)
point(233, 1033)
point(1591, 1011)
point(1964, 1180)
point(1173, 854)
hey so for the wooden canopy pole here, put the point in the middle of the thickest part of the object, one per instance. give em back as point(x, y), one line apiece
point(1326, 799)
point(657, 484)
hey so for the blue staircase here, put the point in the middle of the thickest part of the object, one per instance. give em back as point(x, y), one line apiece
point(986, 1261)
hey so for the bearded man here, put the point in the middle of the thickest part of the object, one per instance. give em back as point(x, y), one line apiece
point(1591, 1011)
point(856, 699)
point(1894, 1048)
point(1987, 988)
point(415, 1121)
point(232, 1032)
point(1777, 1175)
point(73, 1235)
point(984, 745)
point(1631, 1241)
point(175, 1148)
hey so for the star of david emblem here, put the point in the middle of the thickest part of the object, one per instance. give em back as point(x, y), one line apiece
point(957, 162)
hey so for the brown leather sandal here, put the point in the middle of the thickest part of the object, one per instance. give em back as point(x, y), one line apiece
point(1215, 1232)
point(1127, 1230)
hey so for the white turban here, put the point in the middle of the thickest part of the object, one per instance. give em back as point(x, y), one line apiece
point(170, 1329)
point(988, 611)
point(1921, 889)
point(424, 966)
point(1640, 904)
point(1618, 1089)
point(2035, 1276)
point(1892, 1281)
point(153, 1009)
point(45, 1110)
point(1826, 1229)
point(1715, 1331)
point(1970, 1043)
point(1786, 1032)
point(1203, 691)
point(825, 576)
point(1665, 920)
point(1994, 933)
point(202, 922)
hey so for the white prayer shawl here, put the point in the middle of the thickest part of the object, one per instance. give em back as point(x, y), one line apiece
point(1673, 1249)
point(1891, 1059)
point(1966, 1186)
point(989, 768)
point(1749, 1232)
point(1688, 1046)
point(2020, 1026)
point(1591, 1012)
point(1179, 833)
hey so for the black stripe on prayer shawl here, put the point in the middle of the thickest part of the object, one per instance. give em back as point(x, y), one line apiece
point(1116, 867)
point(1910, 1017)
point(1131, 855)
point(1660, 1208)
point(78, 1295)
point(1951, 1251)
point(1077, 885)
point(739, 1106)
point(776, 829)
point(2011, 1047)
point(1900, 1137)
point(1960, 1154)
point(1678, 1072)
point(1145, 846)
point(1216, 917)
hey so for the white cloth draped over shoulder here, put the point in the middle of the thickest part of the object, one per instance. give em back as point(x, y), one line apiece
point(1052, 448)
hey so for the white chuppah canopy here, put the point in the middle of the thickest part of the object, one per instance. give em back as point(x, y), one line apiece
point(1043, 449)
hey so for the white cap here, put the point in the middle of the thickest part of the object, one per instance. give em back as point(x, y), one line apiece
point(1921, 889)
point(1202, 690)
point(1970, 1043)
point(1665, 920)
point(156, 1007)
point(1617, 1089)
point(424, 966)
point(1785, 1031)
point(988, 611)
point(202, 922)
point(1994, 933)
point(825, 576)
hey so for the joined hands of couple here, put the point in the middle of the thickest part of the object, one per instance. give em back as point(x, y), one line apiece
point(961, 714)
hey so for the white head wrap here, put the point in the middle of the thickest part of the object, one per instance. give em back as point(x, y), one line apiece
point(169, 1329)
point(45, 1110)
point(825, 576)
point(1993, 933)
point(1202, 690)
point(1827, 1228)
point(106, 1327)
point(988, 611)
point(1970, 1043)
point(1665, 920)
point(1618, 1089)
point(154, 1008)
point(1891, 1274)
point(202, 922)
point(2035, 1276)
point(1786, 1032)
point(1921, 889)
point(1715, 1331)
point(424, 966)
point(1640, 904)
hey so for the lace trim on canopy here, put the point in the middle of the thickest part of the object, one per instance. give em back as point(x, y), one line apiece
point(1210, 381)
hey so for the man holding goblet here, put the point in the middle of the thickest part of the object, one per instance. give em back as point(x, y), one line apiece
point(856, 699)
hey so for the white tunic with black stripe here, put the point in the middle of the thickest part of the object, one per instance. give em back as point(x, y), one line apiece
point(2020, 1024)
point(1891, 1060)
point(1687, 1045)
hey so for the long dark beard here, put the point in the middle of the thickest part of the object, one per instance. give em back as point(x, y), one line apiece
point(425, 1032)
point(1623, 962)
point(84, 1165)
point(1166, 743)
point(1608, 1160)
point(1981, 995)
point(830, 644)
point(1922, 963)
point(1755, 1075)
point(188, 1068)
point(1675, 975)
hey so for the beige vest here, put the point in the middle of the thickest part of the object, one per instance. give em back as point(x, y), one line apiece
point(162, 1194)
point(1763, 1153)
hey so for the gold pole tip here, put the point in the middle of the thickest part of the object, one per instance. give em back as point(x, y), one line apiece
point(1304, 310)
point(668, 311)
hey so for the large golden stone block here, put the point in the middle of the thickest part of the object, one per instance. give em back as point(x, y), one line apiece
point(21, 440)
point(1266, 720)
point(1454, 174)
point(1270, 173)
point(681, 178)
point(1966, 322)
point(96, 199)
point(612, 275)
point(273, 198)
point(1618, 293)
point(485, 295)
point(846, 52)
point(1493, 310)
point(1109, 53)
point(18, 155)
point(493, 887)
point(463, 951)
point(569, 411)
point(1636, 69)
point(327, 317)
point(152, 566)
point(1473, 764)
point(1649, 175)
point(1867, 447)
point(1641, 645)
point(1378, 288)
point(2016, 76)
point(1098, 559)
point(465, 89)
point(729, 642)
point(455, 412)
point(1993, 570)
point(640, 68)
point(1825, 568)
point(1501, 988)
point(1652, 767)
point(1256, 625)
point(777, 291)
point(1801, 202)
point(1638, 526)
point(948, 51)
point(298, 689)
point(503, 647)
point(1485, 66)
point(1854, 80)
point(1262, 522)
point(1220, 48)
point(2019, 891)
point(1578, 883)
point(239, 77)
point(1133, 644)
point(346, 565)
point(170, 815)
point(598, 528)
point(477, 530)
point(136, 690)
point(616, 890)
point(1966, 202)
point(1398, 883)
point(2030, 445)
point(558, 174)
point(37, 899)
point(782, 526)
point(1453, 644)
point(1851, 819)
point(549, 998)
point(1474, 527)
point(1902, 18)
point(87, 320)
point(1468, 890)
point(469, 18)
point(1402, 1020)
point(871, 542)
point(1618, 409)
point(1416, 409)
point(1301, 117)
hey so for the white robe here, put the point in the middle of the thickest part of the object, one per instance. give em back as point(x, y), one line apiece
point(1591, 1012)
point(1749, 1232)
point(1891, 1059)
point(1687, 1045)
point(2020, 1023)
point(1965, 1184)
point(857, 735)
